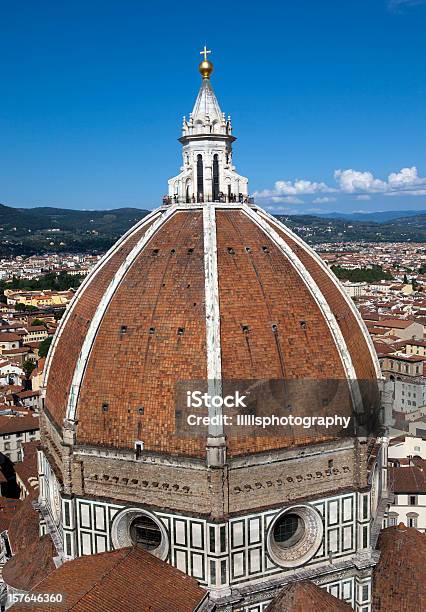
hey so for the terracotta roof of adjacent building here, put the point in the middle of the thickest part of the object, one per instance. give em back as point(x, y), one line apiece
point(399, 579)
point(395, 323)
point(24, 527)
point(8, 510)
point(128, 580)
point(408, 479)
point(17, 424)
point(9, 337)
point(304, 596)
point(27, 468)
point(30, 565)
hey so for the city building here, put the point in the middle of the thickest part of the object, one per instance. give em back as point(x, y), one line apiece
point(15, 430)
point(355, 290)
point(408, 484)
point(405, 375)
point(38, 299)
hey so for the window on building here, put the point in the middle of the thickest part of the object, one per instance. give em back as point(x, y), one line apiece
point(66, 514)
point(145, 533)
point(222, 539)
point(365, 507)
point(223, 572)
point(212, 539)
point(365, 592)
point(216, 177)
point(412, 519)
point(213, 572)
point(200, 178)
point(412, 500)
point(19, 456)
point(393, 519)
point(365, 536)
point(68, 543)
point(289, 530)
point(7, 446)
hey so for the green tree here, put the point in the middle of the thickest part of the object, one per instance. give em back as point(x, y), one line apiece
point(58, 313)
point(51, 280)
point(28, 366)
point(38, 322)
point(25, 307)
point(357, 275)
point(43, 349)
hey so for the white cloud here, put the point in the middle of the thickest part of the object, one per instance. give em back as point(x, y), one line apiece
point(323, 200)
point(287, 199)
point(352, 181)
point(362, 184)
point(410, 192)
point(298, 187)
point(397, 5)
point(406, 176)
point(279, 209)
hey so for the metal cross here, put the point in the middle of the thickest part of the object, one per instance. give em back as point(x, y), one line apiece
point(205, 52)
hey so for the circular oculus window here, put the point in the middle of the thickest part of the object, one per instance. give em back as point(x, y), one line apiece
point(294, 536)
point(136, 527)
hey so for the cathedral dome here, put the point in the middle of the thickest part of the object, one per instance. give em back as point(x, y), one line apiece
point(209, 287)
point(196, 292)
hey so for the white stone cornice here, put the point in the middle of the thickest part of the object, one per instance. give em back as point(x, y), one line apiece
point(318, 297)
point(103, 305)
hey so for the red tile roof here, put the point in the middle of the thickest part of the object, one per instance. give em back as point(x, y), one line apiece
point(271, 326)
point(17, 351)
point(395, 323)
point(27, 469)
point(30, 565)
point(29, 393)
point(408, 479)
point(399, 579)
point(16, 424)
point(8, 510)
point(304, 596)
point(24, 527)
point(125, 580)
point(9, 337)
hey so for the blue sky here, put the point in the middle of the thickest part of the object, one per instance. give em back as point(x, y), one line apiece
point(327, 99)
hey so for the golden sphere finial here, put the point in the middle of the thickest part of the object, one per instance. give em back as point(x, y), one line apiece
point(205, 66)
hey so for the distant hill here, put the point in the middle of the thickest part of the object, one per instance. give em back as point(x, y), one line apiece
point(26, 231)
point(382, 216)
point(321, 229)
point(41, 218)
